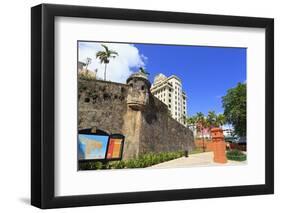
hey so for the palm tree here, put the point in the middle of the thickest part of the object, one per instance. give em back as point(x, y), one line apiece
point(104, 57)
point(211, 120)
point(190, 121)
point(201, 124)
point(214, 120)
point(220, 120)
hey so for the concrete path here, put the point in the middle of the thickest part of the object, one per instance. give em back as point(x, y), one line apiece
point(195, 160)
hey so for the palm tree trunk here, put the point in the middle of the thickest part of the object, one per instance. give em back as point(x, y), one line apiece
point(203, 139)
point(105, 71)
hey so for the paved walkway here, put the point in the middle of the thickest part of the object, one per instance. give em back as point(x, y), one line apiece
point(194, 160)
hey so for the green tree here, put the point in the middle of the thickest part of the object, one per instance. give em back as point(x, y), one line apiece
point(220, 120)
point(104, 57)
point(235, 104)
point(191, 121)
point(214, 120)
point(211, 119)
point(201, 124)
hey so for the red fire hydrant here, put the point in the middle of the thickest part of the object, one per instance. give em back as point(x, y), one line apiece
point(219, 145)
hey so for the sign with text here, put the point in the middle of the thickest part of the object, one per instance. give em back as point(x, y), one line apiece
point(115, 148)
point(92, 147)
point(99, 147)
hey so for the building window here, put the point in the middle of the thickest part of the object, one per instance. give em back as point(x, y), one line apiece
point(169, 105)
point(169, 100)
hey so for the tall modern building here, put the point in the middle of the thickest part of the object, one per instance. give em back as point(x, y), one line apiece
point(169, 91)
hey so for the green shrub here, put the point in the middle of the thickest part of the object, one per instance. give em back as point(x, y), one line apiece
point(142, 161)
point(118, 165)
point(236, 155)
point(96, 165)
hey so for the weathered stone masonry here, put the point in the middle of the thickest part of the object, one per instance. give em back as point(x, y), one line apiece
point(130, 109)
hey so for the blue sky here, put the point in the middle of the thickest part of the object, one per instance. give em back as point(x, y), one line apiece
point(206, 72)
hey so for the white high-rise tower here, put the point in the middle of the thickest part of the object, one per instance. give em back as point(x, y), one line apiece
point(169, 91)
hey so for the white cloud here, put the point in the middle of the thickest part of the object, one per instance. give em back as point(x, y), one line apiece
point(120, 68)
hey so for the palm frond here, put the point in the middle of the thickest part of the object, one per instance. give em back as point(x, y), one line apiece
point(105, 47)
point(113, 52)
point(100, 54)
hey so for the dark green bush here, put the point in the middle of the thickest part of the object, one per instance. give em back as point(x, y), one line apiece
point(97, 165)
point(236, 155)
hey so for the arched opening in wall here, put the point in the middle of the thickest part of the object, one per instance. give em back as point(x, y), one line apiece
point(92, 130)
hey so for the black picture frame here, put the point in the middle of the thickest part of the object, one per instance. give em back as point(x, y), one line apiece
point(43, 111)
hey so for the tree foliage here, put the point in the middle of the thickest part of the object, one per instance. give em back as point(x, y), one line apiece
point(202, 122)
point(104, 57)
point(235, 104)
point(214, 120)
